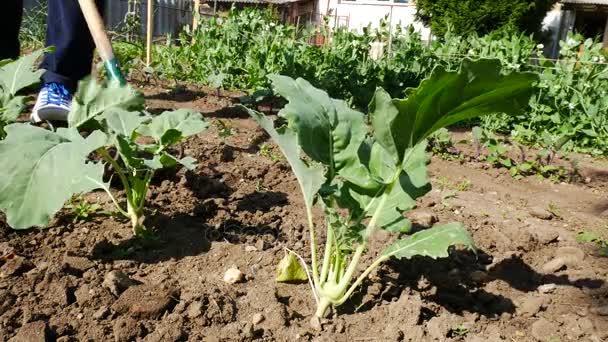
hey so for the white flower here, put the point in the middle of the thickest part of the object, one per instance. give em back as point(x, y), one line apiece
point(540, 46)
point(595, 59)
point(571, 105)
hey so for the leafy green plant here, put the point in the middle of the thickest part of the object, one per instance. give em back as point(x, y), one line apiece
point(554, 209)
point(33, 26)
point(266, 151)
point(459, 330)
point(464, 185)
point(589, 237)
point(56, 165)
point(14, 77)
point(441, 144)
point(81, 209)
point(216, 81)
point(483, 16)
point(225, 129)
point(365, 176)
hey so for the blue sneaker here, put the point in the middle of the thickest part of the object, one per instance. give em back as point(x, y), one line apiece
point(53, 103)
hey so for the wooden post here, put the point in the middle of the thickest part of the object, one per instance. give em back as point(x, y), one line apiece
point(196, 15)
point(149, 31)
point(390, 32)
point(606, 34)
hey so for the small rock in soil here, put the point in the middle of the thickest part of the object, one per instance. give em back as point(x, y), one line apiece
point(78, 264)
point(572, 256)
point(547, 288)
point(566, 256)
point(195, 310)
point(531, 306)
point(554, 265)
point(146, 301)
point(32, 332)
point(5, 250)
point(438, 327)
point(423, 218)
point(261, 245)
point(15, 266)
point(247, 331)
point(480, 276)
point(117, 282)
point(102, 313)
point(127, 329)
point(250, 249)
point(257, 318)
point(600, 310)
point(586, 324)
point(543, 330)
point(61, 293)
point(545, 234)
point(540, 213)
point(233, 275)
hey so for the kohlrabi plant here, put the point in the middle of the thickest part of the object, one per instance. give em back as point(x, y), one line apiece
point(43, 169)
point(365, 176)
point(15, 76)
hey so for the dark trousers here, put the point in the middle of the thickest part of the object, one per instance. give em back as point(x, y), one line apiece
point(66, 30)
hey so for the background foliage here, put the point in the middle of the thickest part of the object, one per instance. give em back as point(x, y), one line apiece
point(482, 16)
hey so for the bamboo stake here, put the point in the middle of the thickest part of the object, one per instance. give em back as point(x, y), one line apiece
point(149, 31)
point(195, 17)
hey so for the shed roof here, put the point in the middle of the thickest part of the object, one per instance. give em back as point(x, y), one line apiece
point(275, 2)
point(586, 2)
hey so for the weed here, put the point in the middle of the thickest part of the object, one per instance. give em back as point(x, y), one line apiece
point(266, 151)
point(554, 209)
point(225, 129)
point(589, 237)
point(465, 185)
point(81, 209)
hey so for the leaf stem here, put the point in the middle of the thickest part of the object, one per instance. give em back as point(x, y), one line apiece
point(367, 271)
point(313, 247)
point(125, 182)
point(328, 252)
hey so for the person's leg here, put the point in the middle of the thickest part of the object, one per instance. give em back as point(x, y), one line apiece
point(71, 60)
point(10, 21)
point(67, 31)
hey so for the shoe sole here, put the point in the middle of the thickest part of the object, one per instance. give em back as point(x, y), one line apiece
point(49, 113)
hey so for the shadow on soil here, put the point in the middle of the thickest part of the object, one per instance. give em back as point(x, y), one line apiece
point(183, 234)
point(262, 200)
point(178, 95)
point(448, 282)
point(175, 237)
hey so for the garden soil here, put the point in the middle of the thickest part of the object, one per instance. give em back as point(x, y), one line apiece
point(92, 281)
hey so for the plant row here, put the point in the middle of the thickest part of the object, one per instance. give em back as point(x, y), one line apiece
point(362, 172)
point(242, 49)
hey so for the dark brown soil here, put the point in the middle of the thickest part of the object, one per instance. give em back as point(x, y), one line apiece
point(91, 281)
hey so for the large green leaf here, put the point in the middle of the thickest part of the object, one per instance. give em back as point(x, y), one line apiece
point(433, 242)
point(93, 99)
point(446, 98)
point(41, 170)
point(171, 127)
point(11, 107)
point(123, 122)
point(290, 270)
point(412, 184)
point(328, 130)
point(21, 73)
point(310, 176)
